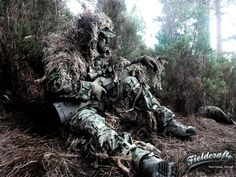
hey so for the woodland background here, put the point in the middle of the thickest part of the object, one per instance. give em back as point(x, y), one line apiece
point(195, 75)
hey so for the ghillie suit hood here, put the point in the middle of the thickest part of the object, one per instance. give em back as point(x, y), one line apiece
point(76, 47)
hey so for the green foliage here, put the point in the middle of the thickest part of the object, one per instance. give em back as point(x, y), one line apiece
point(23, 24)
point(215, 87)
point(129, 41)
point(186, 45)
point(219, 84)
point(193, 75)
point(126, 26)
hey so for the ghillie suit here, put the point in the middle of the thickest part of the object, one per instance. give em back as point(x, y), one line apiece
point(82, 77)
point(215, 113)
point(151, 78)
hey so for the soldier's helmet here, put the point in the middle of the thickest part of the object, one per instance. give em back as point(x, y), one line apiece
point(104, 25)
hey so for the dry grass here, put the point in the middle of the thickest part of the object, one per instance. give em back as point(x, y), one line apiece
point(211, 137)
point(26, 152)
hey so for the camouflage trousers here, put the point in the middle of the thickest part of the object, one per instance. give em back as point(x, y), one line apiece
point(107, 139)
point(145, 101)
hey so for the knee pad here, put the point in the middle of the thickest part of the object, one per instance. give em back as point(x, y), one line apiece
point(131, 84)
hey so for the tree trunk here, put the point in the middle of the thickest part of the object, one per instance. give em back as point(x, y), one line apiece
point(218, 27)
point(203, 27)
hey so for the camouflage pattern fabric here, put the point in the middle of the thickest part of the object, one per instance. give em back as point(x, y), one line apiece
point(107, 140)
point(68, 59)
point(88, 120)
point(132, 87)
point(215, 113)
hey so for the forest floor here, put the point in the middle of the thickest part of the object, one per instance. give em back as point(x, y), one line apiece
point(34, 149)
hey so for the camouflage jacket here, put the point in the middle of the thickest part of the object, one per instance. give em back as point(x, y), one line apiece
point(66, 70)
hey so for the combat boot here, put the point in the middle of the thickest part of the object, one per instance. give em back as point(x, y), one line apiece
point(151, 166)
point(179, 129)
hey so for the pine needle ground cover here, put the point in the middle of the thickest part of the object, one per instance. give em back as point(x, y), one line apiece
point(28, 149)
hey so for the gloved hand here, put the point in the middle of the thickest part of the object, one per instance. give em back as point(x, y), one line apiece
point(97, 90)
point(152, 166)
point(149, 62)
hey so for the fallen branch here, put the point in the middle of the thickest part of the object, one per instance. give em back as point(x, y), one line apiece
point(146, 146)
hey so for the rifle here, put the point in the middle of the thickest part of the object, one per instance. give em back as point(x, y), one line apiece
point(66, 110)
point(103, 78)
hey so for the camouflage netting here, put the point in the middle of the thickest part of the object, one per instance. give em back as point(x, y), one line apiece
point(77, 46)
point(18, 75)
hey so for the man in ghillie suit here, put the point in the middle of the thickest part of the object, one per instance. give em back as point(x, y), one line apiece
point(83, 78)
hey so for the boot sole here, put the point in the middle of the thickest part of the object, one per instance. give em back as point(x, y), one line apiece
point(166, 169)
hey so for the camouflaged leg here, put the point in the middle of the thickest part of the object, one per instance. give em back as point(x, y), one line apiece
point(107, 140)
point(132, 87)
point(160, 118)
point(215, 113)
